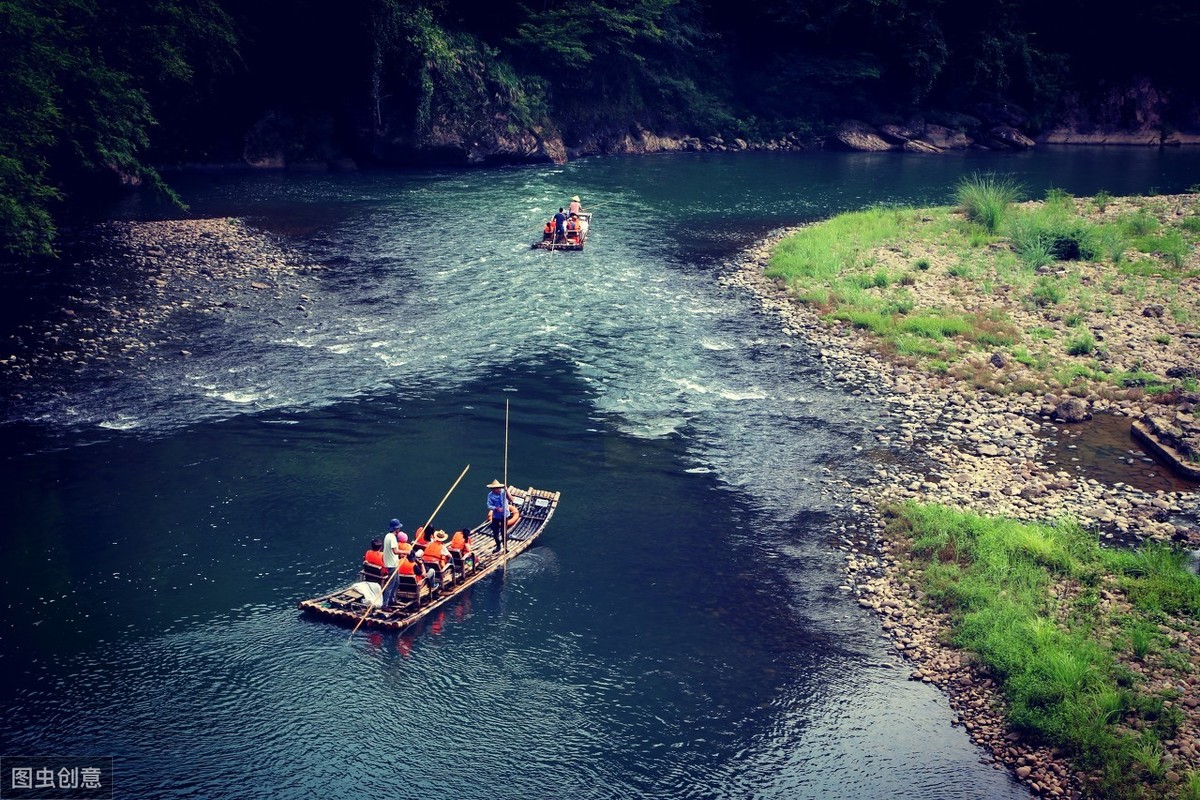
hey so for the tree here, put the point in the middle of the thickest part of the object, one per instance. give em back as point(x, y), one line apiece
point(75, 108)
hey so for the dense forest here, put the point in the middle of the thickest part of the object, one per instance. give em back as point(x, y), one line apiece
point(94, 94)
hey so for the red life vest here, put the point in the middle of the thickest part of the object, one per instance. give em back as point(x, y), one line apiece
point(374, 558)
point(407, 567)
point(460, 544)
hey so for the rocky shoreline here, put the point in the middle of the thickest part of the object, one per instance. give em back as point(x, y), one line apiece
point(966, 448)
point(214, 266)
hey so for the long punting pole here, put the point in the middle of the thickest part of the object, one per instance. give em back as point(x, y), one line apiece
point(367, 610)
point(504, 524)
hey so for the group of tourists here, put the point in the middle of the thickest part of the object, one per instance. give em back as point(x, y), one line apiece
point(433, 556)
point(568, 226)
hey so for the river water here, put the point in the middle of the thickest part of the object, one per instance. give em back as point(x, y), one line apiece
point(679, 631)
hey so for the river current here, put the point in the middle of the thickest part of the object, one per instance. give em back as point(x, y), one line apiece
point(679, 630)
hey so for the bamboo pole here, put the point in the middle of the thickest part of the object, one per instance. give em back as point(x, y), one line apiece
point(392, 575)
point(504, 524)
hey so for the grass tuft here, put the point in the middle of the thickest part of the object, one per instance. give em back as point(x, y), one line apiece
point(985, 198)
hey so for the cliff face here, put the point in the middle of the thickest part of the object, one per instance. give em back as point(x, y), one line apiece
point(487, 129)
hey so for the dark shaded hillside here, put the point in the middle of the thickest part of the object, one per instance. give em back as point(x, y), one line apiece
point(95, 92)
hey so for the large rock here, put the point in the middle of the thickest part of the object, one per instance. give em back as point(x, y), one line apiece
point(1007, 137)
point(917, 146)
point(897, 134)
point(1176, 441)
point(1073, 409)
point(855, 135)
point(944, 138)
point(1070, 136)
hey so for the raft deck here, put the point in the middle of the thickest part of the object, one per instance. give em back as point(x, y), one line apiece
point(346, 606)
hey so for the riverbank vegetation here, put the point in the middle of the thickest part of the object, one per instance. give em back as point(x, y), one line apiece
point(1058, 294)
point(97, 95)
point(1094, 647)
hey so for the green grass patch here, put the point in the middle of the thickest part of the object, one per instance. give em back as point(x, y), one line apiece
point(1002, 584)
point(823, 252)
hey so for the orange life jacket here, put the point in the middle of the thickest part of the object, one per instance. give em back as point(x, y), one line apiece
point(407, 567)
point(374, 558)
point(549, 227)
point(434, 553)
point(403, 547)
point(421, 540)
point(459, 543)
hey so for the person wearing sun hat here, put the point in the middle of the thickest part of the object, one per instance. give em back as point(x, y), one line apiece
point(575, 208)
point(497, 504)
point(436, 554)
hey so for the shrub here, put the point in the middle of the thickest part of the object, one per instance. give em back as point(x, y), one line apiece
point(1191, 786)
point(985, 198)
point(1111, 242)
point(1102, 199)
point(1040, 237)
point(1140, 224)
point(922, 264)
point(1081, 345)
point(1141, 639)
point(960, 270)
point(1047, 292)
point(1060, 198)
point(1174, 249)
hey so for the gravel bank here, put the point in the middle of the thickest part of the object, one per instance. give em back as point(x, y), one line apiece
point(964, 447)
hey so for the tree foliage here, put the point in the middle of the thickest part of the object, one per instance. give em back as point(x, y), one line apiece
point(78, 78)
point(96, 90)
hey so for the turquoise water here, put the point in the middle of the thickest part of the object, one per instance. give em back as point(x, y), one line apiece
point(679, 630)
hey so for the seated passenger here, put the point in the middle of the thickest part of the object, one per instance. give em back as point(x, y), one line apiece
point(461, 544)
point(548, 231)
point(573, 229)
point(436, 554)
point(402, 545)
point(413, 565)
point(372, 568)
point(374, 556)
point(422, 540)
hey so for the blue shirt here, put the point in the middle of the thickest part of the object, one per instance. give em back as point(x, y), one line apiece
point(497, 501)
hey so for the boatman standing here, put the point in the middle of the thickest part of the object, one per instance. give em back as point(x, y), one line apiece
point(575, 208)
point(560, 226)
point(497, 503)
point(391, 560)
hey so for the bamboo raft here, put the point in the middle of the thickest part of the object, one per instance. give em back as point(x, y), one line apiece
point(576, 243)
point(413, 601)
